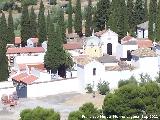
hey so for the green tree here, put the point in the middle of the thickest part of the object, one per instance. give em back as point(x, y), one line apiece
point(152, 18)
point(70, 17)
point(78, 18)
point(88, 19)
point(103, 88)
point(48, 22)
point(39, 113)
point(158, 23)
point(11, 35)
point(25, 25)
point(33, 23)
point(145, 10)
point(139, 12)
point(102, 14)
point(41, 24)
point(131, 80)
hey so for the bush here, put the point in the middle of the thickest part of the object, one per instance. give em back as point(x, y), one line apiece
point(39, 113)
point(103, 88)
point(52, 2)
point(89, 88)
point(131, 80)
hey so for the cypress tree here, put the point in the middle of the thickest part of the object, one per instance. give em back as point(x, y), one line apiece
point(78, 18)
point(152, 18)
point(41, 24)
point(4, 73)
point(4, 31)
point(33, 23)
point(88, 19)
point(130, 12)
point(70, 17)
point(139, 12)
point(145, 11)
point(48, 22)
point(102, 14)
point(11, 35)
point(158, 23)
point(25, 25)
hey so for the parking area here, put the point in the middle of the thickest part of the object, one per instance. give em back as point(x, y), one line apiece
point(62, 103)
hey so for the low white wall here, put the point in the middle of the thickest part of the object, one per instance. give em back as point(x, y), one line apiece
point(6, 88)
point(55, 87)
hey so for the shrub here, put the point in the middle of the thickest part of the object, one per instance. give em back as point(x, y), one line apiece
point(52, 2)
point(103, 88)
point(89, 88)
point(131, 80)
point(29, 2)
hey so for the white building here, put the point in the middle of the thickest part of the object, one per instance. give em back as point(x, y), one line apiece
point(109, 41)
point(142, 30)
point(32, 42)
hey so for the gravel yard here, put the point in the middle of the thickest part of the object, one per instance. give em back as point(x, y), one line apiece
point(63, 103)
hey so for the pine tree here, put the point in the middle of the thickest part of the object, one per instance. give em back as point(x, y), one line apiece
point(25, 25)
point(139, 12)
point(33, 23)
point(152, 18)
point(41, 24)
point(70, 17)
point(88, 19)
point(48, 22)
point(11, 35)
point(130, 12)
point(78, 18)
point(102, 14)
point(158, 23)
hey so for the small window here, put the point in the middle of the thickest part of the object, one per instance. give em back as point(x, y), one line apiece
point(94, 71)
point(95, 51)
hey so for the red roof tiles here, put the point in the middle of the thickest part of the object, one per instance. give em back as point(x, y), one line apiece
point(144, 43)
point(126, 38)
point(25, 50)
point(34, 40)
point(72, 46)
point(22, 67)
point(25, 78)
point(17, 40)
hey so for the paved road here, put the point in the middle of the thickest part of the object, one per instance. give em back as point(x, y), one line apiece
point(56, 101)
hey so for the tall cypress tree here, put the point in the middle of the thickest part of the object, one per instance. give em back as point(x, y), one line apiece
point(88, 19)
point(33, 23)
point(152, 18)
point(4, 73)
point(4, 31)
point(78, 18)
point(145, 10)
point(130, 12)
point(139, 12)
point(158, 23)
point(25, 25)
point(11, 35)
point(41, 24)
point(102, 14)
point(48, 22)
point(70, 17)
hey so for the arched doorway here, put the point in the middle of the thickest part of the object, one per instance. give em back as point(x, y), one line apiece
point(109, 49)
point(129, 56)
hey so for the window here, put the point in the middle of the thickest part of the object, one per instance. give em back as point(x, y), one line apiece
point(94, 71)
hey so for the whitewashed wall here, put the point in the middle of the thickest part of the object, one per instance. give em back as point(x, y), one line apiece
point(126, 48)
point(55, 87)
point(140, 33)
point(6, 88)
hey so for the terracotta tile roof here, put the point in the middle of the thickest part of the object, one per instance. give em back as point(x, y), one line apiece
point(98, 34)
point(22, 67)
point(107, 59)
point(144, 52)
point(39, 66)
point(144, 43)
point(25, 78)
point(20, 76)
point(84, 60)
point(25, 50)
point(17, 40)
point(72, 46)
point(34, 40)
point(126, 38)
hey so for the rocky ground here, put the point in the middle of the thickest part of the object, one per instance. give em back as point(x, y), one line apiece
point(62, 103)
